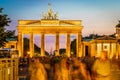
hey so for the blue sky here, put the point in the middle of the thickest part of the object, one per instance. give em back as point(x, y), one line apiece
point(98, 16)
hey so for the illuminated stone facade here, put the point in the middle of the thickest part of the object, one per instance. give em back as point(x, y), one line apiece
point(104, 43)
point(93, 47)
point(43, 27)
point(50, 24)
point(11, 44)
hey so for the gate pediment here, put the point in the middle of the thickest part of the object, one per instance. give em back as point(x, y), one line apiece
point(50, 22)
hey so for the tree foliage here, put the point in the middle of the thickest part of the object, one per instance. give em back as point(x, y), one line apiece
point(4, 34)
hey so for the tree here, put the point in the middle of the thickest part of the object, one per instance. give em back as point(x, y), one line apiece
point(4, 34)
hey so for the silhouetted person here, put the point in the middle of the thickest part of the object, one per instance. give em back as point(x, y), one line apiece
point(37, 70)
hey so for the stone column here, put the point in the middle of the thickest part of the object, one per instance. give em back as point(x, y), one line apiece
point(110, 51)
point(79, 45)
point(20, 44)
point(117, 50)
point(95, 53)
point(84, 51)
point(57, 44)
point(68, 45)
point(31, 44)
point(42, 45)
point(101, 46)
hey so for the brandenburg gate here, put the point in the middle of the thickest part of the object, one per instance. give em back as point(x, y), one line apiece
point(50, 24)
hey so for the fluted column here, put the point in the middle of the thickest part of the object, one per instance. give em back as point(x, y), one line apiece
point(57, 44)
point(79, 45)
point(68, 45)
point(31, 44)
point(20, 44)
point(42, 45)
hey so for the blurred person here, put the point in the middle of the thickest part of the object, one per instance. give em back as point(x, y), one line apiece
point(37, 70)
point(57, 71)
point(32, 69)
point(115, 68)
point(79, 71)
point(114, 63)
point(101, 68)
point(65, 69)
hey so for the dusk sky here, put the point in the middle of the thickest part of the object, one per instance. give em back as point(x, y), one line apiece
point(98, 16)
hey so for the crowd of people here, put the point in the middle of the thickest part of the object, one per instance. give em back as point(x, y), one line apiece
point(73, 68)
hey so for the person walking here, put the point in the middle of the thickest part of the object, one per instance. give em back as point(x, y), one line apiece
point(37, 70)
point(101, 68)
point(79, 71)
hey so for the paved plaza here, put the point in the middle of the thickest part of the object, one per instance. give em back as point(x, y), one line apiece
point(24, 72)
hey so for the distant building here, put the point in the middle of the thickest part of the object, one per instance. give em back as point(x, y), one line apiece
point(92, 47)
point(118, 30)
point(10, 48)
point(105, 43)
point(12, 43)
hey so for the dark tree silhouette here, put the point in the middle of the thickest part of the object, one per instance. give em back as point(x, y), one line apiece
point(4, 34)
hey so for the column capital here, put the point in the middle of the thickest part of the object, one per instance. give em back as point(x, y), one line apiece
point(30, 32)
point(56, 33)
point(42, 33)
point(68, 32)
point(19, 32)
point(80, 33)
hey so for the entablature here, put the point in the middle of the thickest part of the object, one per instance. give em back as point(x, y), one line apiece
point(49, 23)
